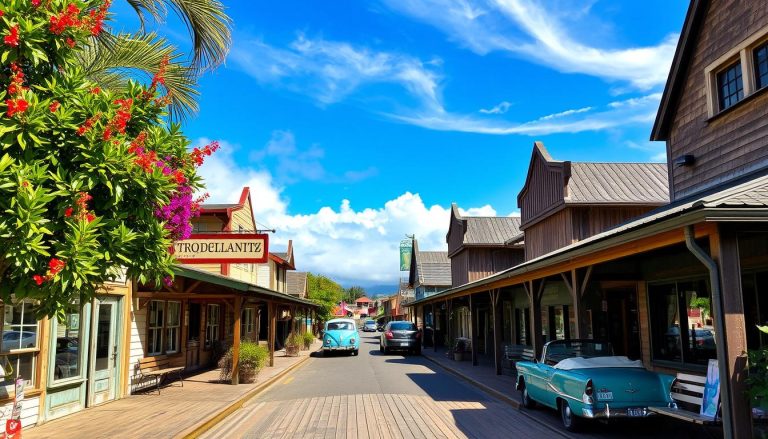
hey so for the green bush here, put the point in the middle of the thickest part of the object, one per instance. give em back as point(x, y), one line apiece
point(308, 339)
point(295, 339)
point(252, 359)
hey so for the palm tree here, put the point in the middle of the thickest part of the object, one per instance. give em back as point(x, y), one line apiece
point(114, 58)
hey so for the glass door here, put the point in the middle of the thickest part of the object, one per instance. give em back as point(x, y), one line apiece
point(105, 348)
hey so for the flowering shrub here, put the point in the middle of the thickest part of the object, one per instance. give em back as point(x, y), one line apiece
point(92, 183)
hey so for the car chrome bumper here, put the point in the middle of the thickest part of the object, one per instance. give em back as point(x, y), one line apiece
point(609, 413)
point(338, 348)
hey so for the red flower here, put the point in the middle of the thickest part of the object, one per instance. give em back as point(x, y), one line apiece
point(12, 39)
point(38, 279)
point(90, 217)
point(16, 106)
point(54, 106)
point(55, 266)
point(35, 3)
point(2, 13)
point(96, 90)
point(159, 77)
point(107, 134)
point(68, 212)
point(70, 42)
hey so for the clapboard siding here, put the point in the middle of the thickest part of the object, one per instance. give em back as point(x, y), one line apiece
point(476, 263)
point(549, 234)
point(544, 190)
point(731, 144)
point(459, 269)
point(456, 229)
point(243, 218)
point(30, 409)
point(588, 221)
point(138, 342)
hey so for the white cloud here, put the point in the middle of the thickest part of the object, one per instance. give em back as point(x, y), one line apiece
point(528, 29)
point(502, 108)
point(657, 150)
point(365, 240)
point(639, 111)
point(330, 71)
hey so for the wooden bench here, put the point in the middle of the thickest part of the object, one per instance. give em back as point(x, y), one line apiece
point(516, 352)
point(688, 393)
point(156, 368)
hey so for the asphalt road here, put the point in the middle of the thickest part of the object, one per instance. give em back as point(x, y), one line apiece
point(381, 396)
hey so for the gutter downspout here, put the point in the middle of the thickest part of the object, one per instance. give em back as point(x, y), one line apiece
point(719, 322)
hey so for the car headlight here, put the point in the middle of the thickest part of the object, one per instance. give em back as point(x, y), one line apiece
point(351, 341)
point(327, 341)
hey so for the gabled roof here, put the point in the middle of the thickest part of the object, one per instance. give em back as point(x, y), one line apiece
point(677, 73)
point(284, 258)
point(296, 283)
point(618, 183)
point(491, 231)
point(745, 198)
point(228, 208)
point(434, 268)
point(363, 300)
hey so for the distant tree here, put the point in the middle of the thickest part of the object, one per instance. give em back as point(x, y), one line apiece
point(354, 293)
point(324, 292)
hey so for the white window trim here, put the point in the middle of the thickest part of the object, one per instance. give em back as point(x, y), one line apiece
point(158, 326)
point(177, 327)
point(743, 53)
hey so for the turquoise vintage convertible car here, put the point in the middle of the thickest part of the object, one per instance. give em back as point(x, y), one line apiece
point(341, 335)
point(583, 380)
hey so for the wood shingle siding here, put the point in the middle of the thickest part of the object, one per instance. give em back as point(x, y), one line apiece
point(728, 145)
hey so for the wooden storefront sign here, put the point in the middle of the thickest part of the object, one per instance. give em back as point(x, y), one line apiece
point(213, 248)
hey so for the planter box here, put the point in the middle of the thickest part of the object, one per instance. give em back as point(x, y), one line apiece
point(458, 356)
point(292, 351)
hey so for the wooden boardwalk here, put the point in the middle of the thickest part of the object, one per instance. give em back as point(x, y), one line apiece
point(378, 416)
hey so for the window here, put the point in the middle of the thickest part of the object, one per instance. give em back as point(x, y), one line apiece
point(247, 322)
point(155, 332)
point(172, 327)
point(730, 87)
point(681, 322)
point(163, 327)
point(69, 340)
point(212, 325)
point(20, 345)
point(761, 66)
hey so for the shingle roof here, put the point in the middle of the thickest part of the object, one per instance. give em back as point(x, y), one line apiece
point(296, 283)
point(281, 255)
point(434, 268)
point(617, 183)
point(218, 206)
point(491, 230)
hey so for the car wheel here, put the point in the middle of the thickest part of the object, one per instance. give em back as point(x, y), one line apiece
point(354, 353)
point(525, 399)
point(571, 422)
point(386, 350)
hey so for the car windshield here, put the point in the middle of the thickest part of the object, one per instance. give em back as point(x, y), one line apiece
point(370, 322)
point(342, 326)
point(402, 326)
point(560, 350)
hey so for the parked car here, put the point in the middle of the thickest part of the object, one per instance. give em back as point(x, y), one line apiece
point(18, 340)
point(341, 335)
point(402, 336)
point(583, 380)
point(369, 326)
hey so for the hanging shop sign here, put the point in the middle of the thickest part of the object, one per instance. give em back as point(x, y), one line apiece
point(215, 248)
point(406, 252)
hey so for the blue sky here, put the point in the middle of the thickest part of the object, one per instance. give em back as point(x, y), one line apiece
point(357, 122)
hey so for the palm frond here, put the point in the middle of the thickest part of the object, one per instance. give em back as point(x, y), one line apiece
point(136, 55)
point(208, 25)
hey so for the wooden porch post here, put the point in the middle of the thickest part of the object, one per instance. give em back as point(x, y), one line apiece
point(434, 328)
point(534, 297)
point(293, 319)
point(497, 323)
point(725, 252)
point(473, 330)
point(236, 342)
point(449, 323)
point(272, 316)
point(577, 292)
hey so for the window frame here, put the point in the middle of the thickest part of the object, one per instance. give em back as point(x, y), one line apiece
point(212, 327)
point(743, 53)
point(724, 82)
point(163, 328)
point(33, 383)
point(756, 65)
point(248, 321)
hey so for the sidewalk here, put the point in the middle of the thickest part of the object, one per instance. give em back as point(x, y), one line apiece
point(176, 412)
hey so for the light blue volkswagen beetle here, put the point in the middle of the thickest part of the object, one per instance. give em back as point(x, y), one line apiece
point(341, 335)
point(583, 380)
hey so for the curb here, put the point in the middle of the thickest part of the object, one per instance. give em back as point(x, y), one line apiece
point(197, 430)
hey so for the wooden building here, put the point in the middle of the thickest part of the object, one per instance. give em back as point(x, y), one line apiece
point(695, 270)
point(296, 284)
point(430, 271)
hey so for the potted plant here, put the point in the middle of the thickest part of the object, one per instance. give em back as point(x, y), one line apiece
point(251, 360)
point(308, 338)
point(757, 378)
point(460, 347)
point(293, 344)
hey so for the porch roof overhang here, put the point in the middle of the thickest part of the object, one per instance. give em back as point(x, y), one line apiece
point(746, 202)
point(244, 288)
